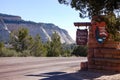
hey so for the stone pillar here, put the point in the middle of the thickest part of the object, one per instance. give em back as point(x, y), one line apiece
point(105, 56)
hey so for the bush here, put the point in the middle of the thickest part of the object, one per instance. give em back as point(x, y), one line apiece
point(117, 38)
point(25, 53)
point(66, 53)
point(8, 53)
point(80, 51)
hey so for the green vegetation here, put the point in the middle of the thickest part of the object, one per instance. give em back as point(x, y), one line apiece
point(54, 48)
point(37, 48)
point(108, 8)
point(89, 8)
point(23, 45)
point(80, 51)
point(20, 42)
point(113, 25)
point(4, 52)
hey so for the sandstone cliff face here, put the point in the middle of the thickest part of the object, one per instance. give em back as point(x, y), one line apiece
point(9, 17)
point(45, 30)
point(4, 32)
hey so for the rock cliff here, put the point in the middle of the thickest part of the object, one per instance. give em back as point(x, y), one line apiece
point(45, 30)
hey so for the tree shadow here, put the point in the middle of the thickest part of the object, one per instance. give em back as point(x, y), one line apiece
point(93, 74)
point(80, 75)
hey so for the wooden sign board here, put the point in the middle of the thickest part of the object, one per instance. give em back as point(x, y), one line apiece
point(77, 24)
point(81, 37)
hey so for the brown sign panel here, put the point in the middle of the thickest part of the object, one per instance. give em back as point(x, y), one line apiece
point(81, 37)
point(77, 24)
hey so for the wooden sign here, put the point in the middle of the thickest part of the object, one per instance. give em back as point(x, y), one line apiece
point(81, 37)
point(77, 24)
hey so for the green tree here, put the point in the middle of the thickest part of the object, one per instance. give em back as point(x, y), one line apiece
point(89, 8)
point(80, 51)
point(67, 49)
point(30, 42)
point(20, 39)
point(38, 48)
point(5, 52)
point(54, 48)
point(1, 48)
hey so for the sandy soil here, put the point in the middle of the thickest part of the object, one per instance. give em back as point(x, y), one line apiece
point(93, 74)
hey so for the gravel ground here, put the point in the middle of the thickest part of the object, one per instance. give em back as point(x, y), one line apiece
point(30, 68)
point(93, 74)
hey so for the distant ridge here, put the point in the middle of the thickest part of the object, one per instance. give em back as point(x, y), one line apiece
point(4, 32)
point(44, 29)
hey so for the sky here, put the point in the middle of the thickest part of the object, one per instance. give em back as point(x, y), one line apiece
point(46, 11)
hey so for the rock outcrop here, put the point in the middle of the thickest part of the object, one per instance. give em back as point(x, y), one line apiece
point(4, 32)
point(45, 30)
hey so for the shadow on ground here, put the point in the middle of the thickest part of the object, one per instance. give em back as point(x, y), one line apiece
point(80, 75)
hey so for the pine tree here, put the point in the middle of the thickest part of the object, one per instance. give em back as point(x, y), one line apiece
point(89, 8)
point(55, 48)
point(19, 39)
point(80, 51)
point(38, 48)
point(1, 48)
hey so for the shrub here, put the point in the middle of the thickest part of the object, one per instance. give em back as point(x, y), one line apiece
point(80, 51)
point(8, 53)
point(25, 53)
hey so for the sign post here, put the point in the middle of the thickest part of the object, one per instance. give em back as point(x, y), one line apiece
point(81, 37)
point(82, 34)
point(101, 48)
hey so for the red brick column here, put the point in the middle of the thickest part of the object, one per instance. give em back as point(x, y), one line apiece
point(104, 56)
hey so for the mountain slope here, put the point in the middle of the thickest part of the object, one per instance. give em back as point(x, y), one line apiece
point(45, 30)
point(4, 32)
